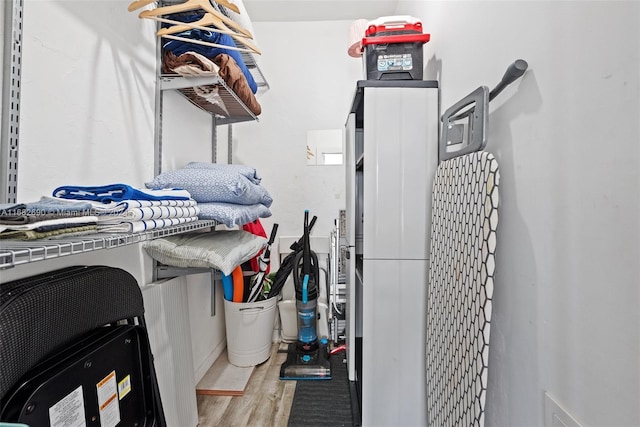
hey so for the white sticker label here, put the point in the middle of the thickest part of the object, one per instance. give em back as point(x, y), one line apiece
point(395, 62)
point(68, 412)
point(108, 401)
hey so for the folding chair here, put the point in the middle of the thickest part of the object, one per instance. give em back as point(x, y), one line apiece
point(75, 350)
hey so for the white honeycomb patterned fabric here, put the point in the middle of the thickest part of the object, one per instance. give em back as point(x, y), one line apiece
point(462, 262)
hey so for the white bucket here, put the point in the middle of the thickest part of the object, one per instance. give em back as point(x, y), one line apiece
point(249, 328)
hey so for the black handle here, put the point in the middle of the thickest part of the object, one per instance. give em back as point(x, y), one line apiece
point(514, 71)
point(296, 246)
point(312, 223)
point(272, 238)
point(274, 230)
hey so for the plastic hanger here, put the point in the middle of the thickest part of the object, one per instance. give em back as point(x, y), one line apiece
point(205, 23)
point(193, 5)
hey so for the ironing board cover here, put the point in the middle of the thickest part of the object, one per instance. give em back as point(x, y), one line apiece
point(463, 243)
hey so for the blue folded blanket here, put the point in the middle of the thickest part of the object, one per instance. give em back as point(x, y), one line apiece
point(118, 192)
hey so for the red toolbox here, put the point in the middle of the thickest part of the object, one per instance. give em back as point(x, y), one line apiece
point(393, 48)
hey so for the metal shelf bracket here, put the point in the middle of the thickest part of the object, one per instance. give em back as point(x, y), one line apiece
point(12, 67)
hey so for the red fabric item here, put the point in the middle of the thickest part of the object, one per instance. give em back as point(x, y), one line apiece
point(256, 228)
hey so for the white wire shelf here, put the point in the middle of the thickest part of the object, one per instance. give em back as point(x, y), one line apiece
point(236, 110)
point(17, 252)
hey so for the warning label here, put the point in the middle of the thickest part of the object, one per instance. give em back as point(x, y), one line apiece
point(68, 412)
point(108, 401)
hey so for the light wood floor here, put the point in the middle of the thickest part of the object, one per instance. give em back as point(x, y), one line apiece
point(266, 402)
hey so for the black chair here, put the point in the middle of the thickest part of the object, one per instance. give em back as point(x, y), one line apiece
point(73, 345)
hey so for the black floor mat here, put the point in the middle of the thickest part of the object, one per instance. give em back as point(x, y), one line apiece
point(323, 402)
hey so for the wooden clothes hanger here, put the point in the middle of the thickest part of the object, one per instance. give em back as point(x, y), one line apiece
point(194, 5)
point(204, 43)
point(207, 20)
point(138, 4)
point(141, 3)
point(228, 5)
point(204, 24)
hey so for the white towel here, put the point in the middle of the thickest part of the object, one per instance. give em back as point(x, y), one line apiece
point(48, 222)
point(151, 212)
point(119, 208)
point(141, 226)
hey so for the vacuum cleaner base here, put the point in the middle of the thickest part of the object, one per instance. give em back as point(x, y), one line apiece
point(314, 365)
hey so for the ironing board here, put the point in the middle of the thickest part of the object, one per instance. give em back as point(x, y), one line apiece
point(463, 244)
point(464, 221)
point(461, 265)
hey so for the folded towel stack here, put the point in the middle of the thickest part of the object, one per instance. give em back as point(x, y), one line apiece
point(47, 217)
point(114, 208)
point(121, 208)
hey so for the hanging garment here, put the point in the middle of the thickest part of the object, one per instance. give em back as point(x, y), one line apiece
point(233, 76)
point(178, 47)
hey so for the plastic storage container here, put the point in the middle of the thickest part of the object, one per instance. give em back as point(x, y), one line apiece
point(393, 48)
point(249, 329)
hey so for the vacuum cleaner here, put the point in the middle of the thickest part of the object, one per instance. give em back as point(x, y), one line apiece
point(308, 357)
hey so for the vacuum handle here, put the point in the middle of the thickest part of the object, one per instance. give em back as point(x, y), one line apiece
point(296, 246)
point(514, 71)
point(306, 246)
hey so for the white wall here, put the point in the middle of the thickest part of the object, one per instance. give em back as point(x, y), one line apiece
point(566, 316)
point(312, 84)
point(86, 110)
point(87, 96)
